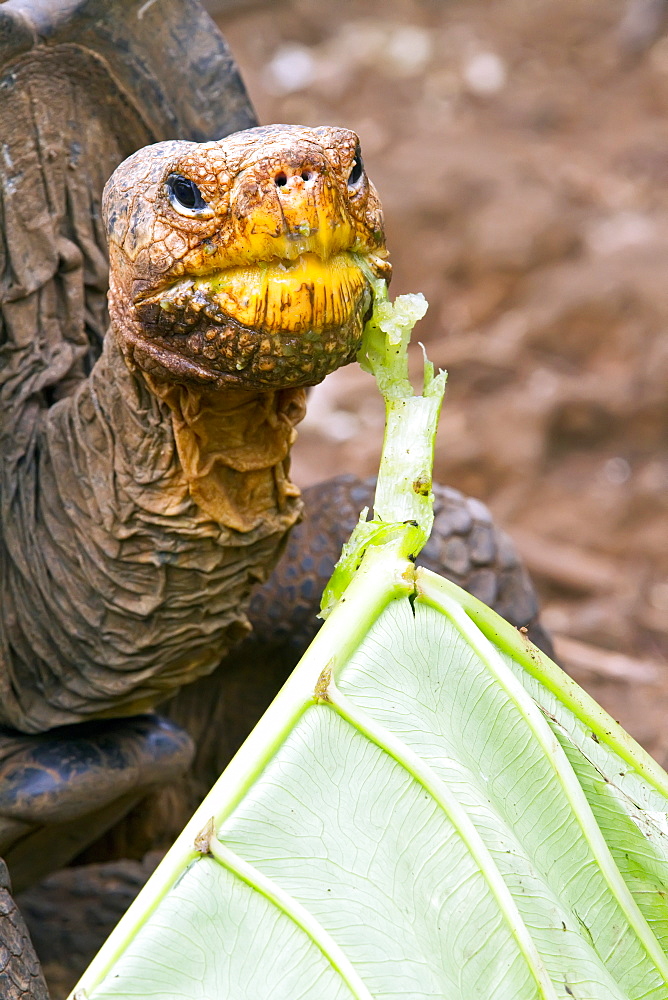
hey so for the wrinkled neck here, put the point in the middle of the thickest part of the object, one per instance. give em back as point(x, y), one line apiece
point(234, 446)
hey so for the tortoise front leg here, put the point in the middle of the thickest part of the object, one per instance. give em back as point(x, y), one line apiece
point(63, 789)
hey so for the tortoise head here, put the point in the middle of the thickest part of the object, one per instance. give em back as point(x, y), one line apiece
point(244, 261)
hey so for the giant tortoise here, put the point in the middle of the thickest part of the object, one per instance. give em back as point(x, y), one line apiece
point(144, 445)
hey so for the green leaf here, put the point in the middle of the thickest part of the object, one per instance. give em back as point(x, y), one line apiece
point(425, 813)
point(430, 808)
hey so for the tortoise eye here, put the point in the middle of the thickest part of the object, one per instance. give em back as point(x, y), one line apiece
point(185, 196)
point(357, 170)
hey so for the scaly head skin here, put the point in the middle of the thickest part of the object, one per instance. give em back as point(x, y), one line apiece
point(244, 262)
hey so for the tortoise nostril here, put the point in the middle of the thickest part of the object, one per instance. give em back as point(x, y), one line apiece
point(280, 179)
point(306, 175)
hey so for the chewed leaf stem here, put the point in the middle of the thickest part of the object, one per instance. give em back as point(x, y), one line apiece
point(403, 505)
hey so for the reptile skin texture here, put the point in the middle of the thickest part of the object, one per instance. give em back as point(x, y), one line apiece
point(20, 973)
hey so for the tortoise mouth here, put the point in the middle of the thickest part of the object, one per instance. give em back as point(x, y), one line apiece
point(275, 323)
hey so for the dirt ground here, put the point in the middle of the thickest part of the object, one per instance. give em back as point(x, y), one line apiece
point(520, 148)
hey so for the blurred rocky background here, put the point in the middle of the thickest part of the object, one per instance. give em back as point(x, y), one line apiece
point(520, 148)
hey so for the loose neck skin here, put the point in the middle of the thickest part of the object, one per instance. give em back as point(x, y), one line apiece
point(233, 446)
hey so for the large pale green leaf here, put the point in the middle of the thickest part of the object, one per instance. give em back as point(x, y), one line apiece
point(429, 809)
point(433, 811)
